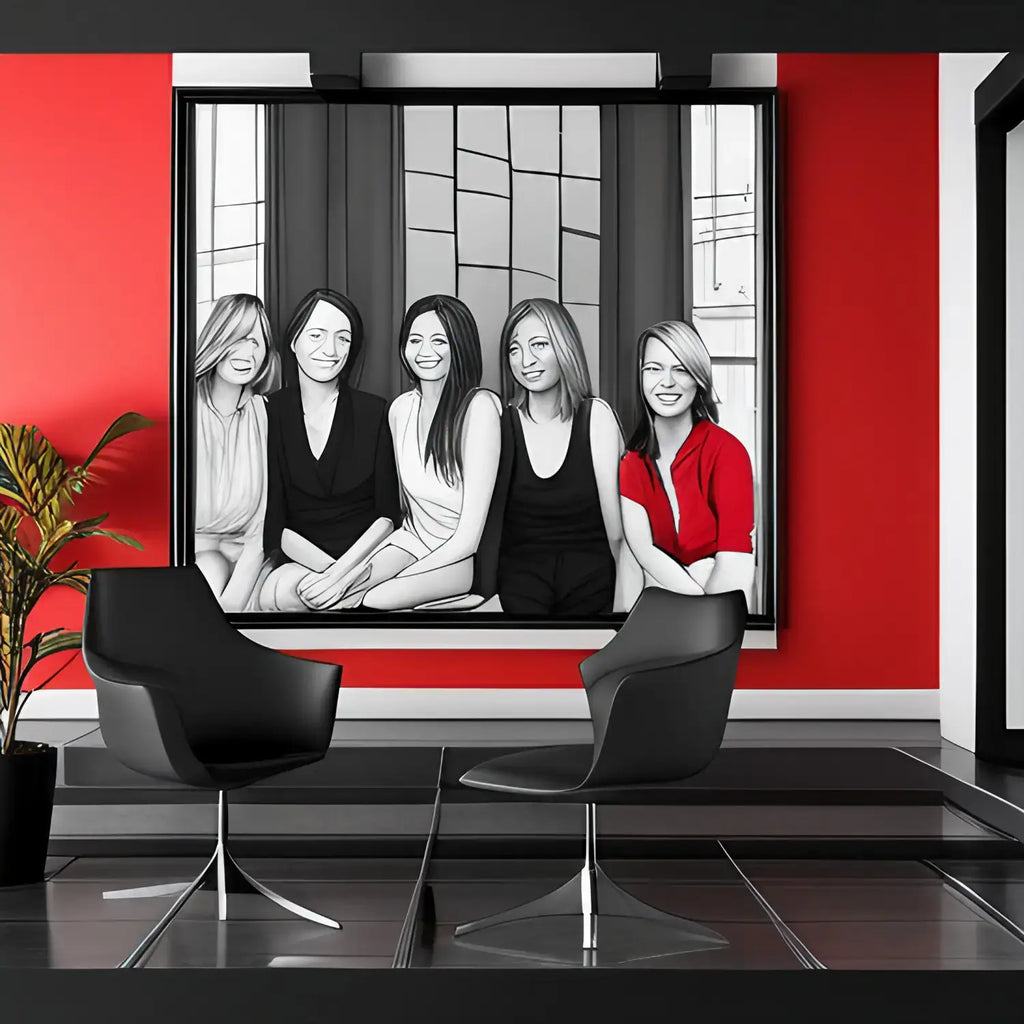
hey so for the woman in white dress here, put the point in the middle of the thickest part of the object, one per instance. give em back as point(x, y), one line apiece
point(235, 368)
point(447, 438)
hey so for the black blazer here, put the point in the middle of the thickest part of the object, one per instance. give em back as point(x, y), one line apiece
point(331, 500)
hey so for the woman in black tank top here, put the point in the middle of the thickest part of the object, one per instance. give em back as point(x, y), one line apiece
point(562, 551)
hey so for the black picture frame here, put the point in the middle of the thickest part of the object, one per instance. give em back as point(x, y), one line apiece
point(999, 108)
point(764, 99)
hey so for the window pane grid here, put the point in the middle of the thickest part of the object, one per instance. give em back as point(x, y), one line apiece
point(230, 203)
point(725, 276)
point(525, 184)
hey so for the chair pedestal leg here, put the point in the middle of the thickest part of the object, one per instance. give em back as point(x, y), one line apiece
point(237, 881)
point(590, 898)
point(222, 874)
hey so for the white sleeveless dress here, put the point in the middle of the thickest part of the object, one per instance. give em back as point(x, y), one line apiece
point(432, 505)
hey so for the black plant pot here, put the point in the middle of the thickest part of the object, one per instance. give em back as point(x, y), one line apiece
point(27, 779)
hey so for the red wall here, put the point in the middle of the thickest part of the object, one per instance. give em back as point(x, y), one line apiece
point(84, 314)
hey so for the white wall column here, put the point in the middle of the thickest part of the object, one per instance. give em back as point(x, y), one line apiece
point(959, 75)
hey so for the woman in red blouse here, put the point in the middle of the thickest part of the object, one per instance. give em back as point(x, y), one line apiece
point(693, 536)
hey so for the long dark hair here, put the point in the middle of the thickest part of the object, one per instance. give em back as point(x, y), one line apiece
point(683, 341)
point(303, 311)
point(444, 438)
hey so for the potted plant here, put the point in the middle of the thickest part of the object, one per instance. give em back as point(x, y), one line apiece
point(37, 489)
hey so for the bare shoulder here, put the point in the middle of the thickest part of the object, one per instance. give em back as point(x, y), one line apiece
point(604, 423)
point(484, 406)
point(400, 406)
point(602, 414)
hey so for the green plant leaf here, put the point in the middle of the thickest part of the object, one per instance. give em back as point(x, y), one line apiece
point(64, 640)
point(53, 545)
point(121, 538)
point(36, 486)
point(36, 474)
point(10, 520)
point(124, 424)
point(76, 579)
point(8, 485)
point(89, 524)
point(42, 645)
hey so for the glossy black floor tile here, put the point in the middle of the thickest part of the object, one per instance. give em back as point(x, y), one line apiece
point(836, 871)
point(342, 901)
point(68, 944)
point(335, 962)
point(924, 901)
point(999, 884)
point(751, 946)
point(333, 869)
point(707, 892)
point(791, 821)
point(466, 901)
point(241, 943)
point(500, 870)
point(55, 865)
point(129, 871)
point(928, 964)
point(77, 901)
point(852, 914)
point(909, 940)
point(1003, 870)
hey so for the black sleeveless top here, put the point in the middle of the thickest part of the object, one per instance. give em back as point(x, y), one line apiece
point(560, 511)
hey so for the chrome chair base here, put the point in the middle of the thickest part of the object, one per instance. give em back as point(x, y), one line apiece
point(588, 920)
point(223, 874)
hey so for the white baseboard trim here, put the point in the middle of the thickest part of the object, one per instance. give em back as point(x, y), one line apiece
point(402, 703)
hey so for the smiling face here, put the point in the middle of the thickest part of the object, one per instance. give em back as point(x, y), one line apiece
point(427, 349)
point(668, 389)
point(531, 355)
point(242, 362)
point(322, 347)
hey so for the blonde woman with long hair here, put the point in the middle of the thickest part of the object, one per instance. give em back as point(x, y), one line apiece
point(235, 368)
point(562, 548)
point(686, 484)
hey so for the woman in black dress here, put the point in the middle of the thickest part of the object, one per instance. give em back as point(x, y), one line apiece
point(330, 462)
point(562, 551)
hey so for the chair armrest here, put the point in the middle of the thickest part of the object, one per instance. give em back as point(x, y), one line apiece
point(112, 671)
point(140, 723)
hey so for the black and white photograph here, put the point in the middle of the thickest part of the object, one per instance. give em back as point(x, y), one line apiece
point(515, 360)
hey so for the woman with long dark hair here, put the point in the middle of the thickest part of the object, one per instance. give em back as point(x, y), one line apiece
point(562, 548)
point(686, 483)
point(447, 438)
point(331, 471)
point(235, 368)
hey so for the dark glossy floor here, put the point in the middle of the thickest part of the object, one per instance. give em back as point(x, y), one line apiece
point(899, 915)
point(937, 883)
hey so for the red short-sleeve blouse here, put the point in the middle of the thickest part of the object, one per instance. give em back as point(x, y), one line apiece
point(714, 486)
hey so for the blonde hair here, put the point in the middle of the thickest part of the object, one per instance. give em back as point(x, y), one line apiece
point(232, 318)
point(682, 340)
point(574, 385)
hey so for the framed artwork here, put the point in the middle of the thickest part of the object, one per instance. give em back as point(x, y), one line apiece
point(495, 358)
